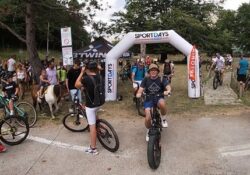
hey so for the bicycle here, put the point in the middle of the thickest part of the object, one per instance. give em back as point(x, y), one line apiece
point(217, 79)
point(23, 109)
point(154, 146)
point(10, 131)
point(77, 122)
point(139, 102)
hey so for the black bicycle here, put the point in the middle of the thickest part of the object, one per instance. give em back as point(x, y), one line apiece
point(77, 122)
point(217, 79)
point(154, 146)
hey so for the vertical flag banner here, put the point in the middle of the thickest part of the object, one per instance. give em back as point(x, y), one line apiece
point(66, 41)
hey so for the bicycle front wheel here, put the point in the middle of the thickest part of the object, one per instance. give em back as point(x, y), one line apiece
point(75, 122)
point(27, 111)
point(140, 106)
point(154, 151)
point(107, 135)
point(215, 82)
point(12, 133)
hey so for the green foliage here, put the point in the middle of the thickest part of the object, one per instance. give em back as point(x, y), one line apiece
point(58, 13)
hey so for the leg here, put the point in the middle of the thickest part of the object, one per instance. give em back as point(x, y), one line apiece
point(162, 106)
point(11, 106)
point(91, 117)
point(147, 118)
point(51, 111)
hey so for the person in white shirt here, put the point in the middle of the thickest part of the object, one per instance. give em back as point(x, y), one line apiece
point(11, 64)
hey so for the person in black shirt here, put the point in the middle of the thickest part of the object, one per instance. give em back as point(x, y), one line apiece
point(88, 76)
point(152, 86)
point(10, 90)
point(72, 76)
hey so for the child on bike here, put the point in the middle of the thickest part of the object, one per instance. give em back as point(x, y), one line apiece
point(44, 82)
point(152, 86)
point(10, 90)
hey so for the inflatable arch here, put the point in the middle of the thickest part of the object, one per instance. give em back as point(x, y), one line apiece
point(166, 36)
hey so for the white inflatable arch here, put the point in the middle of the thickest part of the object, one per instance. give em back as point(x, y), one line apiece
point(166, 36)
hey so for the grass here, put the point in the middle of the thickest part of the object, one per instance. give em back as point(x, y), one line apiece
point(23, 55)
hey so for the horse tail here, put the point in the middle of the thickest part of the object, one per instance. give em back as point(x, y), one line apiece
point(57, 90)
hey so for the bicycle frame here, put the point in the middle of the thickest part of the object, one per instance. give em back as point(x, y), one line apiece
point(5, 102)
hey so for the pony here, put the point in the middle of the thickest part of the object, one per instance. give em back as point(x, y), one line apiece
point(52, 96)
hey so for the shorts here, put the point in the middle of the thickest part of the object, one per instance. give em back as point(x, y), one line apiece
point(91, 115)
point(135, 85)
point(241, 77)
point(150, 104)
point(20, 81)
point(73, 92)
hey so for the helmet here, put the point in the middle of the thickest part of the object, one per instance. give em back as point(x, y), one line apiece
point(92, 65)
point(153, 66)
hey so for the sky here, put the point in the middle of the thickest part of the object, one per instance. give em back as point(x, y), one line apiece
point(117, 5)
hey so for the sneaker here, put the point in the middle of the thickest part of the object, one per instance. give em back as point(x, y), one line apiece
point(92, 151)
point(39, 100)
point(147, 136)
point(164, 123)
point(2, 148)
point(71, 110)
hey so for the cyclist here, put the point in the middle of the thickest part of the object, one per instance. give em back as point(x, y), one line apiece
point(168, 69)
point(10, 90)
point(139, 71)
point(152, 86)
point(219, 65)
point(92, 81)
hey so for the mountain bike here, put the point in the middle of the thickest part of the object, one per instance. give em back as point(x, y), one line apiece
point(13, 129)
point(217, 79)
point(154, 146)
point(77, 122)
point(139, 102)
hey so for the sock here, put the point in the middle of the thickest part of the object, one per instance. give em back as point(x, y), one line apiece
point(11, 112)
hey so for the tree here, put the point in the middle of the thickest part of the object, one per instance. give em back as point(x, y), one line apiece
point(192, 19)
point(33, 13)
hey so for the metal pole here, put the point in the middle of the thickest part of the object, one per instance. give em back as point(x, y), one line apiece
point(48, 41)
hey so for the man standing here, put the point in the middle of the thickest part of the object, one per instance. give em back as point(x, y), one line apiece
point(11, 64)
point(72, 76)
point(51, 73)
point(93, 85)
point(242, 73)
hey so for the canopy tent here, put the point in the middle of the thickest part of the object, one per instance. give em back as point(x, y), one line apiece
point(95, 50)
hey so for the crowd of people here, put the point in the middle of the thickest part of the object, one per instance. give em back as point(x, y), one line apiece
point(145, 75)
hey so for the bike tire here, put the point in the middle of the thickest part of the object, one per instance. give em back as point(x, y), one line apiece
point(12, 133)
point(106, 134)
point(75, 123)
point(140, 107)
point(154, 151)
point(29, 113)
point(215, 82)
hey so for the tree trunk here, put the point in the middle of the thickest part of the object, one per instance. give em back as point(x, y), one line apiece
point(31, 41)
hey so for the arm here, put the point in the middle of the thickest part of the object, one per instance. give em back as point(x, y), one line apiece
point(78, 83)
point(139, 92)
point(167, 90)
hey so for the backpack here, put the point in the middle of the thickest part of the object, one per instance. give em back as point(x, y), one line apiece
point(167, 69)
point(99, 90)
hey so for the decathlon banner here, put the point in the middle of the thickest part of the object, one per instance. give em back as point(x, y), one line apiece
point(193, 74)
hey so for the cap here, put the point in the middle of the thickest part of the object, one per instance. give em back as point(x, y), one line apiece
point(153, 66)
point(92, 65)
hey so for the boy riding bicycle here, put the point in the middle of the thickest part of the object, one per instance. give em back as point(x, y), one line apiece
point(153, 85)
point(10, 90)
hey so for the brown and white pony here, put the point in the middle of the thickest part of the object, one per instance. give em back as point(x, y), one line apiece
point(52, 96)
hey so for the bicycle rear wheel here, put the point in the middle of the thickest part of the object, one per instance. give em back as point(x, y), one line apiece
point(107, 135)
point(154, 151)
point(27, 111)
point(12, 133)
point(75, 122)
